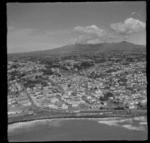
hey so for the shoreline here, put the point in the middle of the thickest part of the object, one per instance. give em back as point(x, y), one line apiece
point(13, 126)
point(28, 119)
point(55, 115)
point(51, 119)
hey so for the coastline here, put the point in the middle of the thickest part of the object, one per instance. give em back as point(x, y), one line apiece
point(56, 121)
point(60, 115)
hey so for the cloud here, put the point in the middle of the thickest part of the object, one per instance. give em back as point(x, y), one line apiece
point(129, 26)
point(93, 29)
point(93, 35)
point(94, 41)
point(81, 39)
point(86, 28)
point(86, 39)
point(137, 14)
point(130, 30)
point(133, 13)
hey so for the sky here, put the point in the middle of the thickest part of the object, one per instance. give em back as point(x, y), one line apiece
point(40, 26)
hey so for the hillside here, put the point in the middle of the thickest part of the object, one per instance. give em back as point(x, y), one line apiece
point(85, 49)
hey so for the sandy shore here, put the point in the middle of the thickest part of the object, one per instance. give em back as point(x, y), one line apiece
point(113, 121)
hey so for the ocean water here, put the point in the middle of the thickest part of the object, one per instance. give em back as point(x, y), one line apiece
point(78, 130)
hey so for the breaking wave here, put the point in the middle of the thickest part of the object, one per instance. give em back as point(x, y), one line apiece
point(121, 123)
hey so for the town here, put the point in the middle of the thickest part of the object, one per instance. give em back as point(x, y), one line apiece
point(78, 84)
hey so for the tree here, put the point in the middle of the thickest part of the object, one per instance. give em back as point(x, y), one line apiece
point(14, 66)
point(36, 77)
point(106, 96)
point(47, 71)
point(119, 108)
point(85, 64)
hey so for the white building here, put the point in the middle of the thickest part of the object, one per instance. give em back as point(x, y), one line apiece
point(54, 100)
point(52, 106)
point(64, 106)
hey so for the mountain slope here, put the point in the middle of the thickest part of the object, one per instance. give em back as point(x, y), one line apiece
point(86, 49)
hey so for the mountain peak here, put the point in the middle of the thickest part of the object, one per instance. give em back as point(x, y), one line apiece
point(123, 46)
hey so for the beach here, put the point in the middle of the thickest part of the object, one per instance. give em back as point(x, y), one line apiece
point(66, 129)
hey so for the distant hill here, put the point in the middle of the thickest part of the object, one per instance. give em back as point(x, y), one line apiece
point(86, 49)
